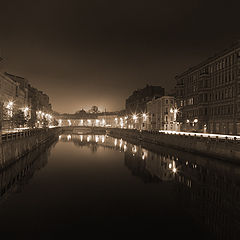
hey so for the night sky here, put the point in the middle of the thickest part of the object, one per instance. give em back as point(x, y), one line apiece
point(96, 52)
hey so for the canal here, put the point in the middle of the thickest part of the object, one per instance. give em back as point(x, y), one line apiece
point(99, 186)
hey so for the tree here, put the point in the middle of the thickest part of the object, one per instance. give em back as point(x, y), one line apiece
point(18, 119)
point(94, 109)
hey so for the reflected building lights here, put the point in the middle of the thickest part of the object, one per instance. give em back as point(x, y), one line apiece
point(134, 149)
point(120, 143)
point(144, 154)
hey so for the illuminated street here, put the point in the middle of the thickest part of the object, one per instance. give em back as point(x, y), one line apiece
point(205, 135)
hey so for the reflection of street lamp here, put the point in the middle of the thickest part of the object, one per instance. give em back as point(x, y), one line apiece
point(172, 166)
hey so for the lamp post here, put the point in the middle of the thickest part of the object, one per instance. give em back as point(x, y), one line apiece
point(174, 111)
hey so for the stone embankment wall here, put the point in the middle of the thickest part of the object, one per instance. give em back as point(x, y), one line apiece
point(212, 147)
point(15, 145)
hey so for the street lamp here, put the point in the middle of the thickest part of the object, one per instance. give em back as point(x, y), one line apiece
point(135, 117)
point(10, 108)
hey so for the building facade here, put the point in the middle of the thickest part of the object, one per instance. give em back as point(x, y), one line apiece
point(18, 96)
point(162, 113)
point(208, 95)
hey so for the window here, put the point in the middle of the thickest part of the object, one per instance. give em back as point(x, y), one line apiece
point(166, 101)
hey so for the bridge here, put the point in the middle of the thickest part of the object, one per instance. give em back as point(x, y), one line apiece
point(84, 130)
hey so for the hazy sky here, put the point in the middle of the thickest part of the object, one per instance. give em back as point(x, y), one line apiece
point(96, 52)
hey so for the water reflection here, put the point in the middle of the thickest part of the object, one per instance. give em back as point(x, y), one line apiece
point(207, 189)
point(149, 165)
point(94, 142)
point(15, 175)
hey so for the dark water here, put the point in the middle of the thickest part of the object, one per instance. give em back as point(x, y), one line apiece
point(98, 187)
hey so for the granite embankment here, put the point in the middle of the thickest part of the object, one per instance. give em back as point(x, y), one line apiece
point(213, 147)
point(16, 145)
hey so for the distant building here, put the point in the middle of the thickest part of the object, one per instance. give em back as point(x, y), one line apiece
point(136, 105)
point(137, 102)
point(162, 114)
point(208, 95)
point(109, 120)
point(113, 119)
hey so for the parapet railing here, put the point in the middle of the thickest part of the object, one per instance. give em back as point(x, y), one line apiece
point(22, 134)
point(192, 136)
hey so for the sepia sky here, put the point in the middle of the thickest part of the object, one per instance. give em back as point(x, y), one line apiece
point(96, 52)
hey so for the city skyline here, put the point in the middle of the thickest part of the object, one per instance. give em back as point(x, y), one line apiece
point(85, 54)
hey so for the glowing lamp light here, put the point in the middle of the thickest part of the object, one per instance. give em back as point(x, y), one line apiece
point(10, 105)
point(195, 120)
point(188, 121)
point(144, 116)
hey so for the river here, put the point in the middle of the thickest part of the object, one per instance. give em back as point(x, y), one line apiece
point(99, 186)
